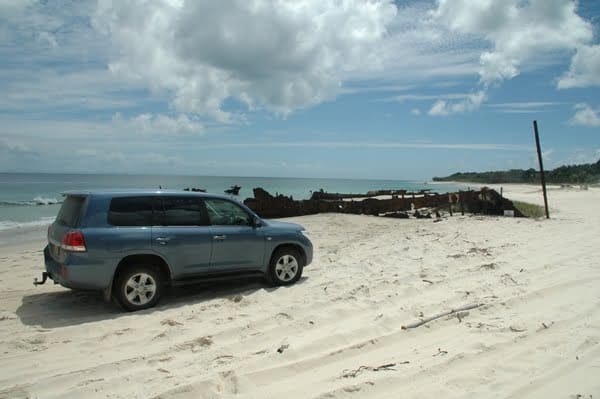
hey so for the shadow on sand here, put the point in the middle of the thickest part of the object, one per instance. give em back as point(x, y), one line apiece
point(69, 308)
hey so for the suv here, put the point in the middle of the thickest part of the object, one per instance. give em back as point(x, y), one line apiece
point(131, 244)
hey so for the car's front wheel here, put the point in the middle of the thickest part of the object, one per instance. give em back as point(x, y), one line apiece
point(285, 267)
point(138, 287)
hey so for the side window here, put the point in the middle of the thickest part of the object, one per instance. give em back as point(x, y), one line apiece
point(130, 211)
point(226, 213)
point(184, 211)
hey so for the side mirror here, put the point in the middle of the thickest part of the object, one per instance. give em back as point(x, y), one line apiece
point(256, 222)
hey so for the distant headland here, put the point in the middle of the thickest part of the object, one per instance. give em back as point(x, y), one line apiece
point(588, 173)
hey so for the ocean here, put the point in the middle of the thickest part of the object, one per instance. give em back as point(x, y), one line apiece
point(33, 199)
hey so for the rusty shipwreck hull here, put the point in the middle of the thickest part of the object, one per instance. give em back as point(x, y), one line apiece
point(485, 201)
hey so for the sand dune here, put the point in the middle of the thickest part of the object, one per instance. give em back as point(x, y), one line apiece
point(338, 332)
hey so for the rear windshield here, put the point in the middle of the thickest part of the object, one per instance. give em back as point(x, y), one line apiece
point(70, 211)
point(130, 211)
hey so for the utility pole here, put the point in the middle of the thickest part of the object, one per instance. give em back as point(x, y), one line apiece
point(539, 152)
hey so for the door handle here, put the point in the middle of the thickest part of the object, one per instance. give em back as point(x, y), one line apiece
point(163, 240)
point(220, 237)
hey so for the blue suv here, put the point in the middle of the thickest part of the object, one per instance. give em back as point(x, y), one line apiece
point(132, 244)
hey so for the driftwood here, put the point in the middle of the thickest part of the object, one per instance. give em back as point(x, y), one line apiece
point(437, 316)
point(354, 373)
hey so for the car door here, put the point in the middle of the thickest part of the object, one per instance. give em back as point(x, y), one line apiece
point(237, 244)
point(183, 236)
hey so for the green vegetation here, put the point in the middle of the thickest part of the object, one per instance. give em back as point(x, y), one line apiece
point(570, 174)
point(529, 210)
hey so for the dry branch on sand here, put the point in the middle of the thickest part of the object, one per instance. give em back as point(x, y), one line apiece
point(437, 316)
point(354, 373)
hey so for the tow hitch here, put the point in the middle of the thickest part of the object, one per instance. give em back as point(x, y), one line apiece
point(45, 276)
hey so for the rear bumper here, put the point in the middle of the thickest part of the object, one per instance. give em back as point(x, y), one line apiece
point(75, 275)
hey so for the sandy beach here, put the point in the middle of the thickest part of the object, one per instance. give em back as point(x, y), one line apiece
point(338, 333)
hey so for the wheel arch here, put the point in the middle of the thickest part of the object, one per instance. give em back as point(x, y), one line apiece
point(292, 246)
point(144, 259)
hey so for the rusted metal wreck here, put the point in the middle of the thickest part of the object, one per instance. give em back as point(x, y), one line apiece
point(402, 204)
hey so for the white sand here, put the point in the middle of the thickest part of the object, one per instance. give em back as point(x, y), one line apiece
point(537, 334)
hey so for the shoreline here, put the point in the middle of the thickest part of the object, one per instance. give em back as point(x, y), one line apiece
point(23, 234)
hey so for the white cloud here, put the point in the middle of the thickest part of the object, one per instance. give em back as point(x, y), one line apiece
point(278, 55)
point(580, 156)
point(14, 6)
point(547, 155)
point(415, 111)
point(585, 115)
point(401, 98)
point(47, 39)
point(470, 103)
point(15, 153)
point(372, 145)
point(158, 124)
point(523, 107)
point(584, 70)
point(517, 30)
point(420, 49)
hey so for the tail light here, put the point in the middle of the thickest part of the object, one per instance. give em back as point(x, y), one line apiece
point(73, 241)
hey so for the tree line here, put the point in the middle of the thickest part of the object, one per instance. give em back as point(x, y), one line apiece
point(566, 174)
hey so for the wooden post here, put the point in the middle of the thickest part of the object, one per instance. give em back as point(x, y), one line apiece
point(542, 177)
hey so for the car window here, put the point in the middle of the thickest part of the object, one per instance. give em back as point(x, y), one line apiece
point(131, 211)
point(183, 211)
point(226, 213)
point(70, 211)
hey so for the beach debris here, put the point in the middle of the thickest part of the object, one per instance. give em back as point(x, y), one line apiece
point(517, 329)
point(233, 190)
point(282, 348)
point(481, 251)
point(507, 278)
point(461, 315)
point(223, 359)
point(383, 367)
point(195, 344)
point(440, 352)
point(396, 215)
point(236, 298)
point(489, 266)
point(437, 316)
point(171, 323)
point(427, 281)
point(420, 215)
point(284, 315)
point(545, 326)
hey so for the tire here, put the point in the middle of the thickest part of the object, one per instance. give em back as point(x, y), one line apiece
point(286, 267)
point(138, 287)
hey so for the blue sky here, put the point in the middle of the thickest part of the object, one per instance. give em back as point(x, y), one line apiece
point(307, 88)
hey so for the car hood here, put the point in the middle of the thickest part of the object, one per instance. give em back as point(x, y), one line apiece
point(284, 225)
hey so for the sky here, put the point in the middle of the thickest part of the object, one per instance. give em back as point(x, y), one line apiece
point(302, 88)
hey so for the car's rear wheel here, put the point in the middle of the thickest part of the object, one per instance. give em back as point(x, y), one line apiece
point(138, 287)
point(286, 267)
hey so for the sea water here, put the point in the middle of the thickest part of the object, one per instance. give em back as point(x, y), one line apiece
point(30, 199)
